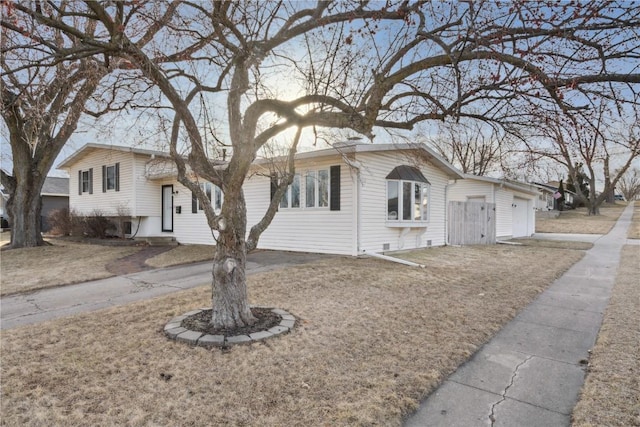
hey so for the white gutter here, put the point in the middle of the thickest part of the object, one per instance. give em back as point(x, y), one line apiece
point(392, 259)
point(355, 164)
point(446, 209)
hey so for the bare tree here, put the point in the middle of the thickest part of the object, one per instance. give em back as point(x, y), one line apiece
point(46, 92)
point(363, 66)
point(41, 108)
point(471, 147)
point(588, 143)
point(629, 184)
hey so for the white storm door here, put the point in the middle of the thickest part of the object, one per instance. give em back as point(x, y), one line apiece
point(167, 208)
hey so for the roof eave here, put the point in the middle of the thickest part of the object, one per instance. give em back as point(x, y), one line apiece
point(69, 161)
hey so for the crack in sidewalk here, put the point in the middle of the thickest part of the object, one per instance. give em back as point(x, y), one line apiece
point(492, 416)
point(35, 304)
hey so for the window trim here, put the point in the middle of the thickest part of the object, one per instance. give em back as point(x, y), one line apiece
point(289, 192)
point(315, 174)
point(215, 195)
point(81, 181)
point(425, 213)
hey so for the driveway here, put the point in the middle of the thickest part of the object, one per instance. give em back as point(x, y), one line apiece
point(53, 303)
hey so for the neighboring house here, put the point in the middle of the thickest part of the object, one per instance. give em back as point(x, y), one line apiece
point(350, 199)
point(552, 196)
point(514, 202)
point(54, 195)
point(546, 200)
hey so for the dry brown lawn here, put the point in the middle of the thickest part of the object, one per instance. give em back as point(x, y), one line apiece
point(372, 339)
point(611, 393)
point(61, 263)
point(182, 254)
point(577, 221)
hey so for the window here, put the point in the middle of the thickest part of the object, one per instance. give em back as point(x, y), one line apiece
point(310, 193)
point(214, 194)
point(85, 181)
point(111, 177)
point(291, 197)
point(407, 195)
point(317, 189)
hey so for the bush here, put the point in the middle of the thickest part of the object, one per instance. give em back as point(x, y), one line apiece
point(97, 225)
point(62, 222)
point(69, 223)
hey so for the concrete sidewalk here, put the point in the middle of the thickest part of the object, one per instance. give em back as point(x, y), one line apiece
point(531, 372)
point(47, 304)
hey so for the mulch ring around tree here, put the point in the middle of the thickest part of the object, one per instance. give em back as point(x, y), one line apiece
point(267, 319)
point(193, 328)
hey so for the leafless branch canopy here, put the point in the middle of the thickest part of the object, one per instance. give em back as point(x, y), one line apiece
point(264, 68)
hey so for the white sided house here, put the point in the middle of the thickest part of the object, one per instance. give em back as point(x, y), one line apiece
point(352, 199)
point(514, 202)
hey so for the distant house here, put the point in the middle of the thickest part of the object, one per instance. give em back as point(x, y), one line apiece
point(550, 197)
point(514, 202)
point(54, 195)
point(546, 200)
point(350, 199)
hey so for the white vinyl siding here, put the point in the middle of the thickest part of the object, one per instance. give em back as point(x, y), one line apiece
point(305, 229)
point(331, 224)
point(469, 190)
point(375, 233)
point(189, 228)
point(147, 193)
point(111, 202)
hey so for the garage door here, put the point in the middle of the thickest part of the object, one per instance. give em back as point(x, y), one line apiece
point(520, 217)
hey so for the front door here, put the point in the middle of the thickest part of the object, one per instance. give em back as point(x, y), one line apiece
point(167, 208)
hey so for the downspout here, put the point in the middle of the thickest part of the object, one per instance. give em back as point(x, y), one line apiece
point(392, 259)
point(358, 211)
point(446, 210)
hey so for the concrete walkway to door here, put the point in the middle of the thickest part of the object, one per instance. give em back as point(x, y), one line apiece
point(52, 303)
point(531, 372)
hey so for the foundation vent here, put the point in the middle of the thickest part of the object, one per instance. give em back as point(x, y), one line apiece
point(428, 243)
point(385, 246)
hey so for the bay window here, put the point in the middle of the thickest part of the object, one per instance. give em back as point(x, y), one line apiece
point(407, 195)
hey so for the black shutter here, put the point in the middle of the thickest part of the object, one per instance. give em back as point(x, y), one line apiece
point(274, 185)
point(117, 176)
point(80, 183)
point(104, 179)
point(91, 181)
point(334, 202)
point(194, 203)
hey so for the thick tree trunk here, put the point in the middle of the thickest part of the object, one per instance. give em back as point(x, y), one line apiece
point(24, 208)
point(229, 289)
